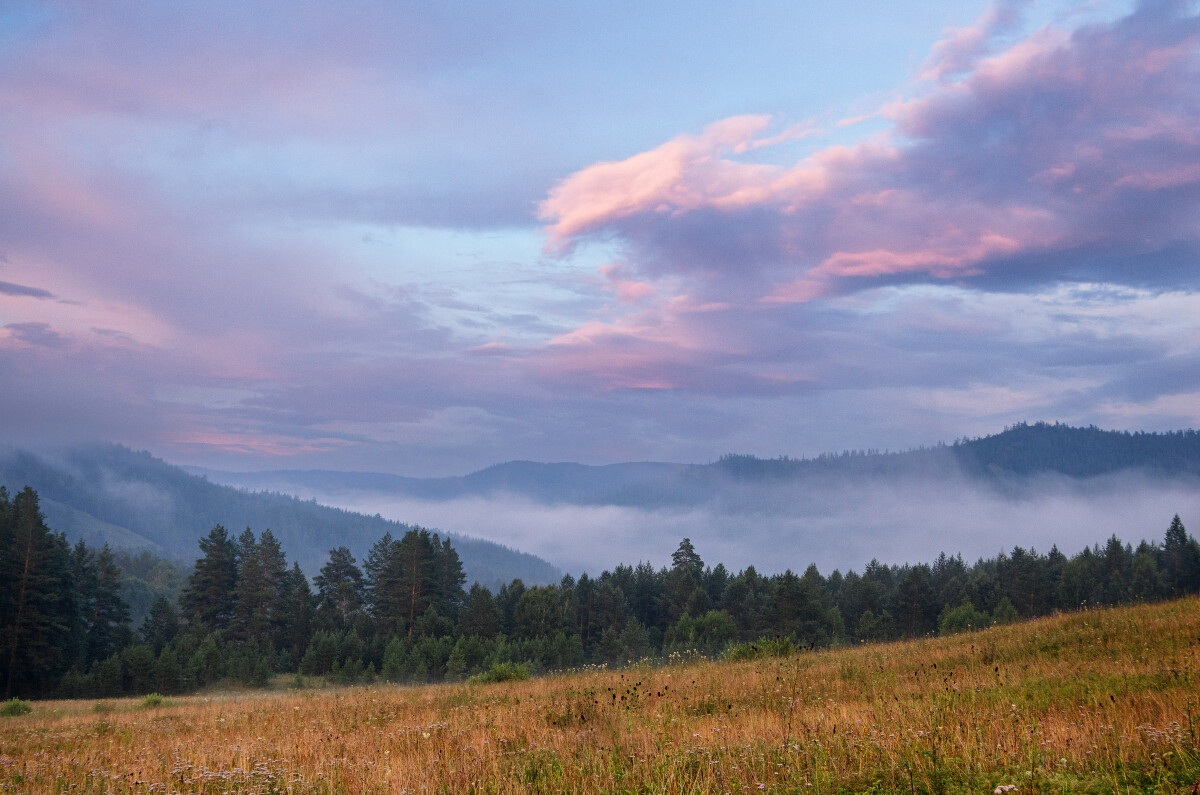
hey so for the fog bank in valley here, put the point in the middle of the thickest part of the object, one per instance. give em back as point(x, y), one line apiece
point(834, 523)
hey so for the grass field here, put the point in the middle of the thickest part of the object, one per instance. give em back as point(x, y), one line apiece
point(1102, 701)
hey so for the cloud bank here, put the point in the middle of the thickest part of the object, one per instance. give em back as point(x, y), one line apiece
point(1068, 156)
point(423, 247)
point(842, 525)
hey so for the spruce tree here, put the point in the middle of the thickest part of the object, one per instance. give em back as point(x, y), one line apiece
point(295, 624)
point(450, 578)
point(382, 585)
point(108, 623)
point(1181, 556)
point(479, 617)
point(418, 575)
point(339, 591)
point(35, 576)
point(160, 626)
point(261, 573)
point(209, 598)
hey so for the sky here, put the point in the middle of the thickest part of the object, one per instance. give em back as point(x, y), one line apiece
point(424, 238)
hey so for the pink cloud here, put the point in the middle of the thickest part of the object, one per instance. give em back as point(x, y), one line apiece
point(628, 291)
point(250, 442)
point(963, 47)
point(1019, 164)
point(1060, 142)
point(631, 292)
point(684, 174)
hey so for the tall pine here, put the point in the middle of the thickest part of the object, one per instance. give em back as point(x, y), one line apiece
point(258, 611)
point(35, 578)
point(210, 596)
point(339, 591)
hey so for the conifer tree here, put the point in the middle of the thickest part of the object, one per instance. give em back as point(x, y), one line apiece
point(108, 622)
point(339, 591)
point(209, 598)
point(382, 585)
point(450, 578)
point(480, 615)
point(686, 557)
point(1181, 556)
point(261, 573)
point(417, 579)
point(295, 625)
point(35, 577)
point(83, 586)
point(160, 626)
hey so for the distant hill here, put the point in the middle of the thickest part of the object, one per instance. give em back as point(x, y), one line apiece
point(561, 482)
point(1030, 482)
point(131, 500)
point(1026, 449)
point(1001, 460)
point(1022, 450)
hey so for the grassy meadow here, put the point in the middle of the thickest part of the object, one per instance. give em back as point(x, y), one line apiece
point(1100, 701)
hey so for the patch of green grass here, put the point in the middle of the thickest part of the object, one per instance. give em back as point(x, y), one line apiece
point(502, 672)
point(154, 700)
point(763, 647)
point(14, 707)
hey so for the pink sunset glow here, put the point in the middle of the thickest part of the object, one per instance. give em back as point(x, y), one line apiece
point(427, 239)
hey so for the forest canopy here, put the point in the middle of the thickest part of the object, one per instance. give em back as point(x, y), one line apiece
point(405, 613)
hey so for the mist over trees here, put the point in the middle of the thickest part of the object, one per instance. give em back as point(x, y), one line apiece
point(404, 613)
point(111, 494)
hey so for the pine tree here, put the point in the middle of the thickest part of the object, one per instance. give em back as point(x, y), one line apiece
point(685, 557)
point(1181, 558)
point(339, 591)
point(35, 576)
point(160, 626)
point(480, 616)
point(450, 578)
point(382, 585)
point(83, 586)
point(296, 613)
point(261, 574)
point(418, 575)
point(108, 623)
point(209, 598)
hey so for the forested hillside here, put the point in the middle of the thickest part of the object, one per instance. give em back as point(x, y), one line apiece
point(110, 494)
point(1020, 451)
point(1001, 460)
point(403, 613)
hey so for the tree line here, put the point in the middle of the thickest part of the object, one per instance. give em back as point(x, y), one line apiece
point(404, 613)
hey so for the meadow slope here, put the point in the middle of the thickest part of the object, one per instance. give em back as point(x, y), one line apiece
point(1099, 701)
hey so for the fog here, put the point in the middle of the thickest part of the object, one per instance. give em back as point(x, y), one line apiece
point(834, 523)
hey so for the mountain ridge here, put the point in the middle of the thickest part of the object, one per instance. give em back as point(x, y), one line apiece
point(1004, 459)
point(109, 493)
point(796, 505)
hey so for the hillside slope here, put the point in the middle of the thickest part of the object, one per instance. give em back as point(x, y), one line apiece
point(1097, 701)
point(1002, 461)
point(131, 500)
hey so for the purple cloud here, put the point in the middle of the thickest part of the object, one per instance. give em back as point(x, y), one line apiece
point(37, 334)
point(1065, 155)
point(8, 288)
point(314, 235)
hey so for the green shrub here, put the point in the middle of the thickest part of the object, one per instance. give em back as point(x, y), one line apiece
point(963, 618)
point(14, 707)
point(153, 700)
point(763, 647)
point(503, 672)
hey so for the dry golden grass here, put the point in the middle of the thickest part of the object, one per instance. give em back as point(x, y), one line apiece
point(1100, 701)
